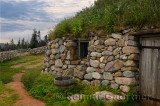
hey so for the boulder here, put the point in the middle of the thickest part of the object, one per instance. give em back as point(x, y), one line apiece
point(128, 74)
point(114, 65)
point(90, 69)
point(125, 81)
point(94, 63)
point(110, 41)
point(62, 48)
point(125, 88)
point(106, 53)
point(107, 76)
point(88, 76)
point(105, 82)
point(96, 75)
point(96, 54)
point(130, 63)
point(85, 82)
point(130, 49)
point(116, 36)
point(58, 63)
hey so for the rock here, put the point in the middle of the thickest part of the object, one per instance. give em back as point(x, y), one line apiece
point(56, 45)
point(106, 53)
point(48, 52)
point(85, 82)
point(117, 57)
point(67, 62)
point(75, 97)
point(52, 46)
point(123, 57)
point(107, 96)
point(94, 63)
point(51, 62)
point(107, 76)
point(58, 63)
point(90, 69)
point(110, 41)
point(110, 58)
point(52, 57)
point(88, 76)
point(60, 42)
point(55, 51)
point(71, 66)
point(103, 60)
point(110, 48)
point(96, 83)
point(59, 74)
point(96, 75)
point(91, 48)
point(118, 74)
point(116, 36)
point(130, 63)
point(130, 49)
point(105, 82)
point(57, 56)
point(121, 43)
point(64, 67)
point(125, 88)
point(56, 40)
point(114, 86)
point(63, 56)
point(116, 51)
point(125, 81)
point(128, 74)
point(53, 68)
point(46, 59)
point(77, 62)
point(47, 64)
point(54, 73)
point(129, 69)
point(71, 44)
point(99, 47)
point(68, 55)
point(62, 48)
point(102, 66)
point(96, 54)
point(68, 72)
point(78, 74)
point(132, 43)
point(80, 67)
point(97, 42)
point(114, 66)
point(134, 57)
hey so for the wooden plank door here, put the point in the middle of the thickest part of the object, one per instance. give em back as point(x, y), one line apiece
point(150, 68)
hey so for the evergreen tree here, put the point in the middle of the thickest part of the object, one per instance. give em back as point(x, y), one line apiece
point(19, 44)
point(23, 43)
point(12, 45)
point(34, 39)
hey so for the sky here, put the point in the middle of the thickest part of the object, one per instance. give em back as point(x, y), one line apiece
point(18, 18)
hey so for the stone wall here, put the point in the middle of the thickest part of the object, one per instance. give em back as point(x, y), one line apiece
point(38, 50)
point(112, 60)
point(6, 55)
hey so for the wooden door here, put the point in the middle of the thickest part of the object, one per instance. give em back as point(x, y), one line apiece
point(150, 67)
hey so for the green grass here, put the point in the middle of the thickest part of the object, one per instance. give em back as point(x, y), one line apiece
point(41, 86)
point(6, 72)
point(111, 16)
point(7, 100)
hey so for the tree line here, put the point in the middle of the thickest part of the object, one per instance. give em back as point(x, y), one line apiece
point(34, 42)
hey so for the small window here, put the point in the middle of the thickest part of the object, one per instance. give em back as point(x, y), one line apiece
point(83, 50)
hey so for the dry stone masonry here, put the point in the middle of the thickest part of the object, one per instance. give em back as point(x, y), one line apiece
point(6, 55)
point(38, 50)
point(111, 60)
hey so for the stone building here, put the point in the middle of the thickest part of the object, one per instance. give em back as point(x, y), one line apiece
point(97, 59)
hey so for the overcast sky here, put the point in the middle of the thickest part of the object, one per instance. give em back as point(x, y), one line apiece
point(19, 17)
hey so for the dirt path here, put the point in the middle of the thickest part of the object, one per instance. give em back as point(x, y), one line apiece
point(24, 98)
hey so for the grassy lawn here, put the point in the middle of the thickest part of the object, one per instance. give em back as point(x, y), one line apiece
point(6, 72)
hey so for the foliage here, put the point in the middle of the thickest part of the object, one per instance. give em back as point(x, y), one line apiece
point(29, 77)
point(111, 16)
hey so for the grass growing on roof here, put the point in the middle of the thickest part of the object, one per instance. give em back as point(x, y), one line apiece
point(111, 16)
